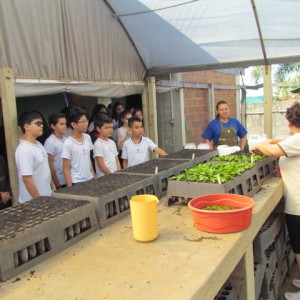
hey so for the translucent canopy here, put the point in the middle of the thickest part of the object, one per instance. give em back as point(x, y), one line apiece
point(112, 42)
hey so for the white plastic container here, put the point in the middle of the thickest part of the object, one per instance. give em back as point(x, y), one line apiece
point(255, 139)
point(190, 146)
point(203, 146)
point(226, 150)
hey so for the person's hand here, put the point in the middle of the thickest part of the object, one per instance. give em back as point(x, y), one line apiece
point(254, 150)
point(5, 196)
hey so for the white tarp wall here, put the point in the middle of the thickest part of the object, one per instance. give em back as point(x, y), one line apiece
point(67, 41)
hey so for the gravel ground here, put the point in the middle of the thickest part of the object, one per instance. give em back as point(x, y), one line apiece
point(287, 285)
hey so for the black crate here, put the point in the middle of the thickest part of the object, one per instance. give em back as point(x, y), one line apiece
point(36, 230)
point(160, 169)
point(197, 155)
point(110, 194)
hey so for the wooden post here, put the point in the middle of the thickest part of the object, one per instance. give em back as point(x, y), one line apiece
point(268, 101)
point(152, 117)
point(211, 102)
point(9, 108)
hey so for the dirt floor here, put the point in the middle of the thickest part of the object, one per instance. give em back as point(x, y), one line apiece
point(287, 285)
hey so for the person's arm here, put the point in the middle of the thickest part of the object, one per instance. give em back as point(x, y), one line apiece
point(67, 171)
point(92, 169)
point(30, 186)
point(209, 143)
point(53, 171)
point(268, 149)
point(118, 163)
point(273, 141)
point(102, 166)
point(160, 152)
point(125, 163)
point(120, 142)
point(243, 142)
point(4, 197)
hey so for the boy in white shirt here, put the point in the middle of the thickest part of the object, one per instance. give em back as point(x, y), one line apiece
point(136, 149)
point(77, 165)
point(31, 159)
point(105, 150)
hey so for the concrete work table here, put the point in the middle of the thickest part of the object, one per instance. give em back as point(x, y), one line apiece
point(183, 263)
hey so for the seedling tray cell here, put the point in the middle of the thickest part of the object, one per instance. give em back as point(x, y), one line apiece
point(200, 156)
point(259, 271)
point(38, 229)
point(110, 194)
point(246, 184)
point(289, 257)
point(165, 168)
point(266, 236)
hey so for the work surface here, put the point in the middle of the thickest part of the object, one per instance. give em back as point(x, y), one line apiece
point(183, 263)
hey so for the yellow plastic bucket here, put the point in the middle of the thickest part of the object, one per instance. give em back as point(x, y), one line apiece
point(144, 217)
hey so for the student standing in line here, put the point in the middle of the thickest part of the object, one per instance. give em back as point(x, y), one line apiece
point(123, 131)
point(98, 108)
point(224, 130)
point(137, 112)
point(136, 149)
point(77, 165)
point(54, 146)
point(31, 159)
point(117, 109)
point(105, 150)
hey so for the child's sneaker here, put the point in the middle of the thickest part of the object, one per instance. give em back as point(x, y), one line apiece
point(296, 283)
point(292, 296)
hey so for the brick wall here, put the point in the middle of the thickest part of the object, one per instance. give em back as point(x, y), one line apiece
point(196, 108)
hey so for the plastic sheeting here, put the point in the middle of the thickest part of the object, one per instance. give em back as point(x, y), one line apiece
point(63, 40)
point(120, 40)
point(181, 35)
point(84, 89)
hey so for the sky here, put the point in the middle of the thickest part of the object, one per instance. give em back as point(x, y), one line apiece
point(249, 81)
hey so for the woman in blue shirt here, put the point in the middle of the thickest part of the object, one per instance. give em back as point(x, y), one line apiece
point(224, 130)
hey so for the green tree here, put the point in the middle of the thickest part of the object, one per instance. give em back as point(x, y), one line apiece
point(281, 73)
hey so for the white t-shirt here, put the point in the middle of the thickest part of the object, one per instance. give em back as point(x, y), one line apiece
point(54, 147)
point(107, 150)
point(32, 160)
point(123, 133)
point(137, 153)
point(289, 168)
point(79, 156)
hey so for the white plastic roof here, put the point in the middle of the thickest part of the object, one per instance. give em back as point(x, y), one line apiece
point(177, 35)
point(109, 42)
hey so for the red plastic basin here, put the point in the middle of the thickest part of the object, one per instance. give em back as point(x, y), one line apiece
point(222, 221)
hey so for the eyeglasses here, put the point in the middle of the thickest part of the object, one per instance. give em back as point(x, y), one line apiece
point(37, 123)
point(84, 121)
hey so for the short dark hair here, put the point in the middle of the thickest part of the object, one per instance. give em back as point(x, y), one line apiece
point(75, 113)
point(132, 120)
point(293, 114)
point(27, 117)
point(101, 119)
point(54, 117)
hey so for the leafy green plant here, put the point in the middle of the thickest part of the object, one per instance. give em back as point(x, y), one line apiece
point(211, 172)
point(239, 158)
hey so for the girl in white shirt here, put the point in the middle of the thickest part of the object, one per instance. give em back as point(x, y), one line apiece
point(54, 146)
point(123, 132)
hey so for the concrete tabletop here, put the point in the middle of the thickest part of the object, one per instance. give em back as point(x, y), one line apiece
point(183, 263)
